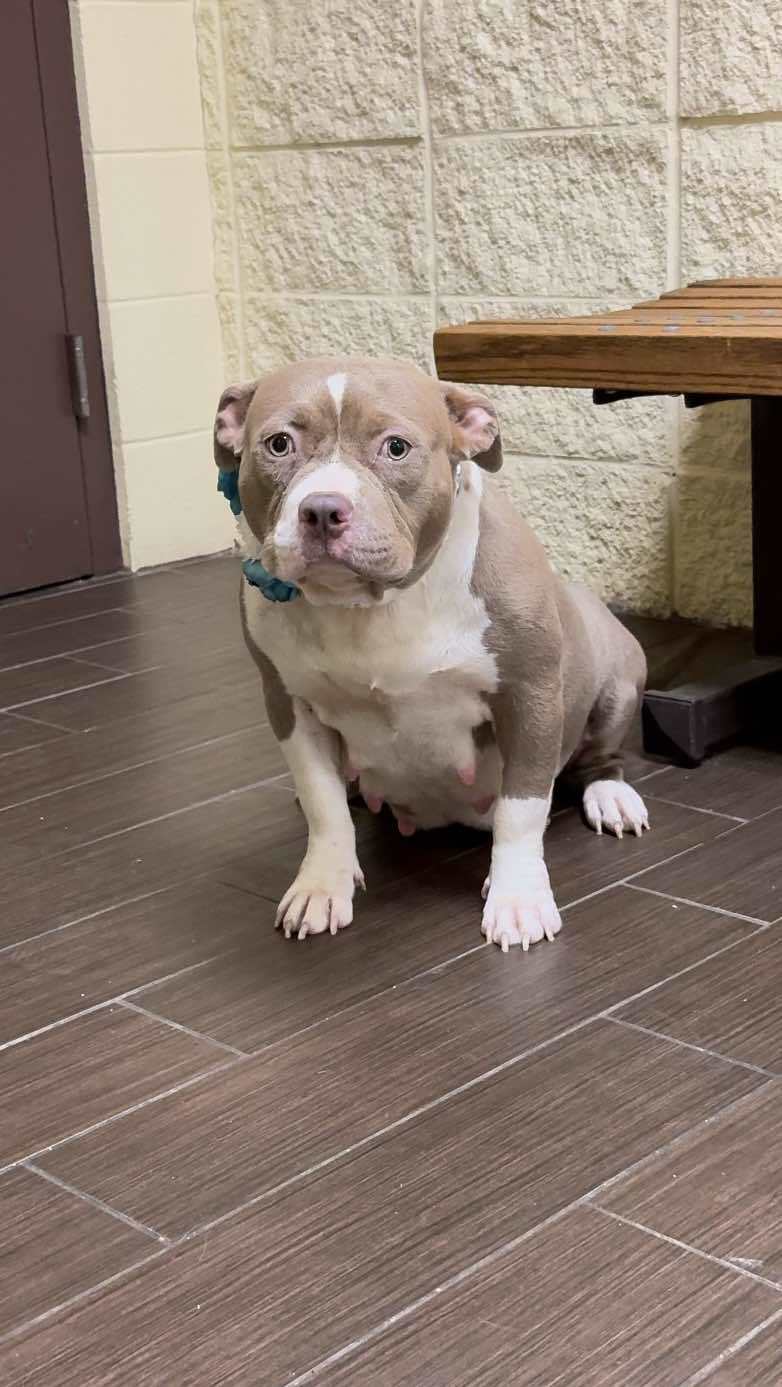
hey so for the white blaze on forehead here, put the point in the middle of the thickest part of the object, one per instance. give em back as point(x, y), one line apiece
point(332, 477)
point(336, 387)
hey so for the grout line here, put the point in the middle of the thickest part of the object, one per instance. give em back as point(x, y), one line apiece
point(728, 1353)
point(699, 808)
point(665, 1149)
point(326, 146)
point(177, 1026)
point(772, 117)
point(553, 131)
point(28, 1325)
point(664, 862)
point(55, 1025)
point(726, 1265)
point(428, 163)
point(93, 915)
point(690, 1045)
point(364, 1001)
point(133, 766)
point(172, 814)
point(700, 905)
point(50, 625)
point(340, 296)
point(607, 1014)
point(81, 688)
point(649, 775)
point(74, 659)
point(97, 1203)
point(122, 1112)
point(37, 722)
point(120, 999)
point(673, 408)
point(239, 287)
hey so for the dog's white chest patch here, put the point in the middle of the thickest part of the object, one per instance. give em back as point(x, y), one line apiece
point(405, 684)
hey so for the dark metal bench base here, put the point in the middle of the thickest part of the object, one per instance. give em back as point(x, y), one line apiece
point(742, 703)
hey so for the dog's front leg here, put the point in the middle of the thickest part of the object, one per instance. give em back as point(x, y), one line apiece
point(519, 906)
point(321, 897)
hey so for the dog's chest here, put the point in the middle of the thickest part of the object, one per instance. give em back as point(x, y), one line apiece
point(404, 684)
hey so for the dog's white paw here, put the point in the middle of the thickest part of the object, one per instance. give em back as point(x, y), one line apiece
point(615, 805)
point(319, 901)
point(521, 916)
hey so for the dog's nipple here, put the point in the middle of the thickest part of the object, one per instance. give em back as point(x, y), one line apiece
point(406, 827)
point(467, 775)
point(374, 803)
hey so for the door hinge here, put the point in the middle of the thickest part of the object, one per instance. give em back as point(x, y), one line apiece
point(78, 367)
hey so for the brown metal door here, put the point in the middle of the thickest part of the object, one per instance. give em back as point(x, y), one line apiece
point(44, 520)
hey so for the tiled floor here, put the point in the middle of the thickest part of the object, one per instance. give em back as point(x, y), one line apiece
point(396, 1157)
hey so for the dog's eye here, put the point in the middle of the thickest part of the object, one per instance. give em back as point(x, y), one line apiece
point(279, 444)
point(396, 448)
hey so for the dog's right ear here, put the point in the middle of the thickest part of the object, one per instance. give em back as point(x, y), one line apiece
point(229, 425)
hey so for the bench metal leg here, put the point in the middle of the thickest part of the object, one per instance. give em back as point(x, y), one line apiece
point(766, 516)
point(685, 723)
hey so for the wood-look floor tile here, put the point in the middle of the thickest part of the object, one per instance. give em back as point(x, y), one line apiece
point(290, 1280)
point(127, 742)
point(585, 1302)
point(314, 1093)
point(77, 815)
point(137, 693)
point(19, 736)
point(67, 971)
point(610, 947)
point(204, 839)
point(718, 1189)
point(732, 1004)
point(741, 872)
point(55, 1245)
point(743, 781)
point(65, 1079)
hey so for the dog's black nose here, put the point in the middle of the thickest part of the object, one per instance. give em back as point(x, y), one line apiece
point(325, 514)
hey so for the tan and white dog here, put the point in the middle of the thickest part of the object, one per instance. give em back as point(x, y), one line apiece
point(431, 652)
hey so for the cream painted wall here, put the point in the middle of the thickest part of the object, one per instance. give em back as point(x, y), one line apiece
point(379, 166)
point(148, 188)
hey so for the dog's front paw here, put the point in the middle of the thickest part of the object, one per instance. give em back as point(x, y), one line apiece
point(320, 900)
point(615, 805)
point(523, 913)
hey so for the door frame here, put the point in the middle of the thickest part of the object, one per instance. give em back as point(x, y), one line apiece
point(71, 216)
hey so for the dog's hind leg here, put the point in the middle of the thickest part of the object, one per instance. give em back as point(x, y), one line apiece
point(598, 768)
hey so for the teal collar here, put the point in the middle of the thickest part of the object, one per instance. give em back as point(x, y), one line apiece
point(274, 589)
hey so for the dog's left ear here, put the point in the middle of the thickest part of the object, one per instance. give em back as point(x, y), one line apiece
point(229, 424)
point(475, 427)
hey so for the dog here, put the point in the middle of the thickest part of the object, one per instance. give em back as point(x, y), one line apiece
point(411, 634)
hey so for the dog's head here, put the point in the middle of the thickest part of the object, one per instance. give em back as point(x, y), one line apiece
point(347, 469)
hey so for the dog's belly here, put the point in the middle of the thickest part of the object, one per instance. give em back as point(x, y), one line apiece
point(418, 753)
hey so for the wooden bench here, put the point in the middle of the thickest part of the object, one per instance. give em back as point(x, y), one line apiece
point(713, 340)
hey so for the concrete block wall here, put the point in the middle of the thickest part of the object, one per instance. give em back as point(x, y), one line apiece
point(381, 166)
point(151, 220)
